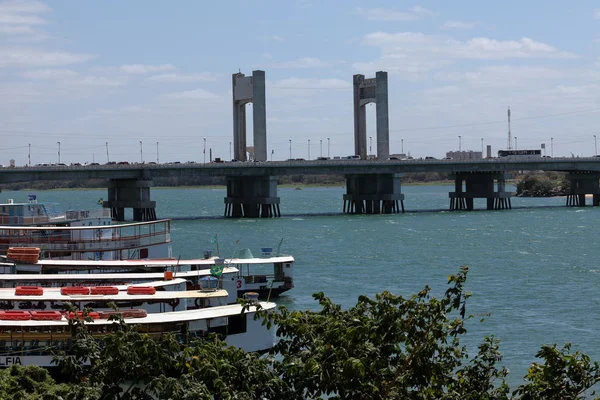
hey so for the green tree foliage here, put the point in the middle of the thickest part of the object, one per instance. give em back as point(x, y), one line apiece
point(542, 185)
point(387, 347)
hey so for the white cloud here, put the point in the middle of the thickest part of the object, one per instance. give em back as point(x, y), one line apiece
point(458, 25)
point(383, 14)
point(277, 38)
point(185, 78)
point(311, 84)
point(20, 20)
point(22, 6)
point(146, 69)
point(305, 62)
point(67, 77)
point(18, 56)
point(196, 94)
point(419, 47)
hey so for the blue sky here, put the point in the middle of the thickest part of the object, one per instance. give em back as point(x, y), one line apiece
point(87, 73)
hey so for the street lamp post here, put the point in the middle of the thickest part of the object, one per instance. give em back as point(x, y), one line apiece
point(482, 148)
point(328, 148)
point(402, 146)
point(308, 149)
point(141, 152)
point(321, 146)
point(595, 146)
point(204, 150)
point(29, 156)
point(516, 147)
point(370, 145)
point(230, 150)
point(290, 149)
point(107, 156)
point(551, 147)
point(459, 143)
point(157, 152)
point(58, 152)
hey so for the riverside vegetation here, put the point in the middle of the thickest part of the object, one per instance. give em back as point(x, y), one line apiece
point(387, 347)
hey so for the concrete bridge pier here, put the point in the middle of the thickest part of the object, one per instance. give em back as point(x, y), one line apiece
point(130, 193)
point(373, 194)
point(583, 183)
point(480, 185)
point(252, 197)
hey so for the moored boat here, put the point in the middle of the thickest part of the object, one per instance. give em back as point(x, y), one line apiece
point(32, 328)
point(80, 234)
point(269, 275)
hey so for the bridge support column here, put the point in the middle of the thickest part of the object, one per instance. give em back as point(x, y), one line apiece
point(373, 194)
point(252, 197)
point(582, 183)
point(480, 185)
point(130, 193)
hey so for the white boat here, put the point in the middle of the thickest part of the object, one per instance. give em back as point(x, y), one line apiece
point(80, 234)
point(30, 332)
point(269, 275)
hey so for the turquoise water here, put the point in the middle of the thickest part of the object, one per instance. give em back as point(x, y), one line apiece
point(534, 268)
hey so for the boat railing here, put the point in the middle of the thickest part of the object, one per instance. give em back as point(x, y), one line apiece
point(263, 278)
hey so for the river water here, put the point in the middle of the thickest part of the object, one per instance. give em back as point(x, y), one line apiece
point(534, 268)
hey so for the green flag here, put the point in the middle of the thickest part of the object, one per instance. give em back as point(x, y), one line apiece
point(216, 270)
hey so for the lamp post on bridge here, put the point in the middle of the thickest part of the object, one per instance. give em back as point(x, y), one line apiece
point(290, 149)
point(370, 143)
point(482, 148)
point(107, 156)
point(58, 152)
point(595, 146)
point(328, 148)
point(204, 150)
point(552, 147)
point(308, 158)
point(230, 150)
point(141, 152)
point(402, 146)
point(321, 146)
point(516, 147)
point(29, 155)
point(459, 143)
point(157, 152)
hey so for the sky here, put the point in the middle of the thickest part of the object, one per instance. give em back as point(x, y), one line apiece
point(150, 80)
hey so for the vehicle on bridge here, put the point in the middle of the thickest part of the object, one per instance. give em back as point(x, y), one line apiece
point(520, 153)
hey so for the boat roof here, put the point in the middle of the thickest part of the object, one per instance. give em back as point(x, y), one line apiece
point(110, 277)
point(69, 228)
point(152, 318)
point(8, 294)
point(160, 262)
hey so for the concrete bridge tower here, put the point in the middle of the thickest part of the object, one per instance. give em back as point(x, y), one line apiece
point(249, 89)
point(250, 196)
point(372, 90)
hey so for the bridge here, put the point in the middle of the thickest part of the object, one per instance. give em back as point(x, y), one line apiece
point(372, 186)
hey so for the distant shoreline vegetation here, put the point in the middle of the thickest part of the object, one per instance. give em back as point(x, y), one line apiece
point(547, 184)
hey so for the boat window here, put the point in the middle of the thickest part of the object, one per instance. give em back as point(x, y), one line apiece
point(236, 324)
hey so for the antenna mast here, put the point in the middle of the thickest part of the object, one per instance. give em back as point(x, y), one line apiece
point(509, 135)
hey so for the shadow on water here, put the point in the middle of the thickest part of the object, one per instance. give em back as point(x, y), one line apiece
point(334, 214)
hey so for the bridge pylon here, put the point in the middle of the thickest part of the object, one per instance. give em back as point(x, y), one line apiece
point(373, 194)
point(249, 89)
point(372, 90)
point(252, 197)
point(130, 193)
point(582, 183)
point(480, 185)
